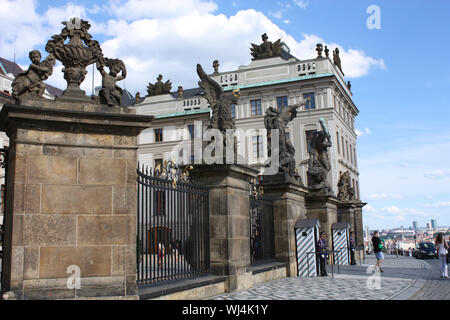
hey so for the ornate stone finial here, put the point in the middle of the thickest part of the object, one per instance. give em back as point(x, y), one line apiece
point(345, 190)
point(76, 55)
point(110, 93)
point(30, 83)
point(216, 66)
point(337, 59)
point(277, 120)
point(266, 49)
point(220, 102)
point(327, 51)
point(349, 85)
point(319, 164)
point(159, 87)
point(319, 49)
point(137, 97)
point(180, 92)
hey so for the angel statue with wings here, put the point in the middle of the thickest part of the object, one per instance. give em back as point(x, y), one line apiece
point(266, 49)
point(219, 101)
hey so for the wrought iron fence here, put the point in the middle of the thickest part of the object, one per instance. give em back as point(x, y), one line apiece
point(172, 223)
point(262, 245)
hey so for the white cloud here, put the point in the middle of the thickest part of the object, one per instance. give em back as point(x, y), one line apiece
point(441, 204)
point(287, 21)
point(361, 133)
point(301, 3)
point(384, 196)
point(436, 174)
point(138, 9)
point(168, 37)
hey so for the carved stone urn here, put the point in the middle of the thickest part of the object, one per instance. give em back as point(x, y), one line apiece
point(76, 55)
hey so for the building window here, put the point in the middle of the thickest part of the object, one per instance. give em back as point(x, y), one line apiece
point(282, 102)
point(159, 202)
point(257, 147)
point(191, 131)
point(233, 110)
point(354, 155)
point(256, 107)
point(309, 135)
point(312, 103)
point(357, 190)
point(351, 154)
point(343, 146)
point(158, 135)
point(337, 139)
point(346, 149)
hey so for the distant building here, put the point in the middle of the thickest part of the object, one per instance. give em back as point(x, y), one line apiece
point(415, 225)
point(428, 225)
point(433, 223)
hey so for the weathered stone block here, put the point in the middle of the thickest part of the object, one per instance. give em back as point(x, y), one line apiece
point(124, 200)
point(31, 263)
point(92, 261)
point(33, 198)
point(19, 198)
point(102, 171)
point(61, 199)
point(118, 262)
point(48, 169)
point(48, 230)
point(105, 230)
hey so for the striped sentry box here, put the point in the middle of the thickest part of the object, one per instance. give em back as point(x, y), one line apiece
point(339, 233)
point(306, 231)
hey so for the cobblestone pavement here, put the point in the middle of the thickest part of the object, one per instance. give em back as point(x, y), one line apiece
point(353, 282)
point(435, 288)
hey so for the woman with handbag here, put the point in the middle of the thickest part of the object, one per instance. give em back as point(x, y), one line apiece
point(442, 249)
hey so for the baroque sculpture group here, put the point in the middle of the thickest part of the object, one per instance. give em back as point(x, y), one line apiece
point(81, 51)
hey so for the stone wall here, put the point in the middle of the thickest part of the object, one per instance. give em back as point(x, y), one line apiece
point(71, 202)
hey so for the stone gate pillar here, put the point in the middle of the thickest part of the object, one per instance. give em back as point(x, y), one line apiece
point(288, 206)
point(71, 200)
point(229, 221)
point(323, 208)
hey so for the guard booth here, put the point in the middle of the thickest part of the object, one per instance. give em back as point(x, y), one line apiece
point(306, 235)
point(340, 240)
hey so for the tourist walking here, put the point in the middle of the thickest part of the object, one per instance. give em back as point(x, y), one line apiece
point(442, 249)
point(352, 245)
point(377, 248)
point(322, 253)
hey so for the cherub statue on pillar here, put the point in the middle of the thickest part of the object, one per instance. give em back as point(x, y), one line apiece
point(30, 82)
point(111, 93)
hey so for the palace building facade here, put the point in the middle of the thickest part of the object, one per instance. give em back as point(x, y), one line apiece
point(275, 82)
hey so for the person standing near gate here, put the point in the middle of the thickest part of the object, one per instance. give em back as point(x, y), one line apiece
point(377, 248)
point(351, 247)
point(442, 249)
point(322, 253)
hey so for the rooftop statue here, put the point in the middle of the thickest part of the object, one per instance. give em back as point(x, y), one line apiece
point(111, 93)
point(159, 87)
point(219, 101)
point(30, 82)
point(319, 164)
point(345, 190)
point(337, 59)
point(216, 66)
point(266, 49)
point(278, 119)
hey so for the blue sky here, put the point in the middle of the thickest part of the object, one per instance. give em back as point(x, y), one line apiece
point(400, 73)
